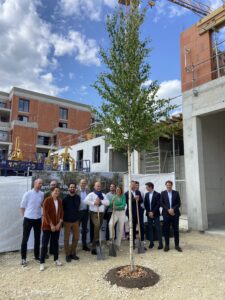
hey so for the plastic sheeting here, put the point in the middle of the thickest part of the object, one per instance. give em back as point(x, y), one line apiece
point(12, 189)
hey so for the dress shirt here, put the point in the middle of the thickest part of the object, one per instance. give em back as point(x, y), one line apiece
point(170, 198)
point(83, 195)
point(90, 200)
point(32, 202)
point(150, 200)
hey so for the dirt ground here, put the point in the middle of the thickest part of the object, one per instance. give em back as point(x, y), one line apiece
point(196, 273)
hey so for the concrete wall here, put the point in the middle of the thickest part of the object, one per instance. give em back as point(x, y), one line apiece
point(117, 161)
point(87, 147)
point(213, 127)
point(209, 100)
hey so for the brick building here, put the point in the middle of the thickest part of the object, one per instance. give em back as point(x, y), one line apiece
point(42, 122)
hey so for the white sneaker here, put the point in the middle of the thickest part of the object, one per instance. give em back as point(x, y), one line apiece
point(58, 263)
point(42, 267)
point(23, 263)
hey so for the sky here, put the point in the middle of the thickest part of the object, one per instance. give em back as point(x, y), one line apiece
point(51, 46)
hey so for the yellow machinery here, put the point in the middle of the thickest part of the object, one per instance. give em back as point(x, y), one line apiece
point(66, 159)
point(17, 153)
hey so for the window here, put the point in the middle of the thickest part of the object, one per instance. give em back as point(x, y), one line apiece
point(4, 136)
point(43, 140)
point(3, 105)
point(24, 105)
point(96, 154)
point(23, 118)
point(62, 125)
point(63, 113)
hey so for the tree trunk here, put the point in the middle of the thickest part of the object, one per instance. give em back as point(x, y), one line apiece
point(130, 210)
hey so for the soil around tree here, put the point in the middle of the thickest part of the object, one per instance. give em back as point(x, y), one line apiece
point(139, 278)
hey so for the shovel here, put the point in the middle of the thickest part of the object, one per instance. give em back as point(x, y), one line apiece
point(112, 246)
point(140, 244)
point(100, 254)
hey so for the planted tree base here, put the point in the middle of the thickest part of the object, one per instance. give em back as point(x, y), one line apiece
point(139, 278)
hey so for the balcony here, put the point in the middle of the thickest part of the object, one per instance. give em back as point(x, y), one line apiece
point(65, 130)
point(46, 141)
point(25, 124)
point(5, 138)
point(4, 107)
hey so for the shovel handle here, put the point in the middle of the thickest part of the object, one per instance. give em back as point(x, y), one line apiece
point(139, 230)
point(113, 233)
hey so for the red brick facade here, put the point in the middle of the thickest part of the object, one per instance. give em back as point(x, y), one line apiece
point(41, 127)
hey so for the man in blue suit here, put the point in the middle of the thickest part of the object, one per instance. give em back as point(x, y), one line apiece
point(170, 202)
point(152, 205)
point(135, 196)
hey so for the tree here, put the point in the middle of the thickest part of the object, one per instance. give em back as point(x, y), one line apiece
point(130, 111)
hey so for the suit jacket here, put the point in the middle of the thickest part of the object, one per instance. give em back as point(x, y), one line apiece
point(49, 213)
point(155, 204)
point(164, 201)
point(134, 209)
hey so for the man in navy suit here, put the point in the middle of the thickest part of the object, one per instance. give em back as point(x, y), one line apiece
point(135, 196)
point(170, 202)
point(152, 205)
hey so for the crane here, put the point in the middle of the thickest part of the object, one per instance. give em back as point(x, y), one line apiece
point(193, 5)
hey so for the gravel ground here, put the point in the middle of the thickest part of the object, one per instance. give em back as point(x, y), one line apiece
point(196, 273)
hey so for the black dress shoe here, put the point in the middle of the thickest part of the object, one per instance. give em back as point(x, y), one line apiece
point(37, 258)
point(160, 247)
point(178, 248)
point(46, 256)
point(74, 257)
point(151, 245)
point(68, 259)
point(166, 248)
point(85, 248)
point(93, 252)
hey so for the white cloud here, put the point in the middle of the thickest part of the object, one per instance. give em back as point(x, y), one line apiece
point(91, 9)
point(84, 50)
point(171, 89)
point(214, 4)
point(27, 44)
point(71, 75)
point(171, 10)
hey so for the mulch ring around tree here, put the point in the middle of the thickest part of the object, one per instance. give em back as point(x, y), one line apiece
point(139, 278)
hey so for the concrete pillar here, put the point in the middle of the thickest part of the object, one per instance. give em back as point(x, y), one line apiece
point(194, 173)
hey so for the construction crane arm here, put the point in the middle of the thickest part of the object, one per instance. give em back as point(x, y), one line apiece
point(193, 5)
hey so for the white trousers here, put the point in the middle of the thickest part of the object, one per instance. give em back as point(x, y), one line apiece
point(119, 216)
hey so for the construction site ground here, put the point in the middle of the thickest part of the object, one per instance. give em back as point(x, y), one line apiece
point(196, 273)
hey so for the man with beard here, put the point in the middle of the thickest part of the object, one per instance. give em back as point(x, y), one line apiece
point(71, 207)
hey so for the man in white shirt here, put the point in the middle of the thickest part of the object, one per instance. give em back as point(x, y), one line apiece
point(84, 212)
point(97, 202)
point(30, 209)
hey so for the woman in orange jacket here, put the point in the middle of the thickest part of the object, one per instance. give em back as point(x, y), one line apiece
point(51, 225)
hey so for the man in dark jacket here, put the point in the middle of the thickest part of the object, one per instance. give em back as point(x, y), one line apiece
point(170, 202)
point(152, 205)
point(135, 196)
point(71, 217)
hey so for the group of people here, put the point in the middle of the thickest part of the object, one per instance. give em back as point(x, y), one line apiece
point(52, 210)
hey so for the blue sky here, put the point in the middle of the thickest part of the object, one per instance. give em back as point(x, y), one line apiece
point(51, 46)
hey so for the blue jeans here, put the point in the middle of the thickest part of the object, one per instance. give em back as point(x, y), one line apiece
point(45, 240)
point(151, 222)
